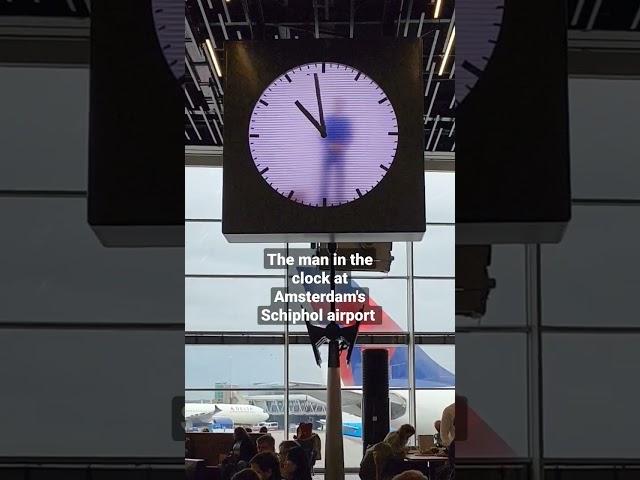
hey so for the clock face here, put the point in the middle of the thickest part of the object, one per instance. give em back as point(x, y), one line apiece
point(323, 134)
point(479, 23)
point(168, 19)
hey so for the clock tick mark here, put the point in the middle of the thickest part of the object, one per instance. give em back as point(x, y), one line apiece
point(264, 170)
point(290, 194)
point(323, 67)
point(358, 192)
point(264, 103)
point(358, 76)
point(382, 100)
point(324, 202)
point(254, 135)
point(386, 169)
point(392, 133)
point(287, 77)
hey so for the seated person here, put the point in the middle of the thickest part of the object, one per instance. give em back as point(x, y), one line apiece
point(246, 474)
point(386, 459)
point(266, 465)
point(266, 443)
point(411, 475)
point(263, 430)
point(242, 451)
point(296, 465)
point(436, 437)
point(283, 449)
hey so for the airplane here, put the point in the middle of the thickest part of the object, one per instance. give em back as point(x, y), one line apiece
point(205, 414)
point(428, 373)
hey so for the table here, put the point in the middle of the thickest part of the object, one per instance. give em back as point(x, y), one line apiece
point(431, 462)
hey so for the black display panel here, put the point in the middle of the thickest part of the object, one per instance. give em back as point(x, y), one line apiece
point(323, 141)
point(136, 146)
point(512, 152)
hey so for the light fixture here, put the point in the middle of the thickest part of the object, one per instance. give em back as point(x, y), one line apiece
point(436, 12)
point(212, 54)
point(447, 51)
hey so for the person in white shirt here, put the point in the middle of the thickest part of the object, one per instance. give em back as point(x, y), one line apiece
point(447, 425)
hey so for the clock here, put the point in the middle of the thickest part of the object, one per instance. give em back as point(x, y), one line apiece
point(168, 20)
point(479, 23)
point(323, 134)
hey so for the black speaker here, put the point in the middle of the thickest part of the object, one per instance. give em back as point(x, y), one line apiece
point(375, 396)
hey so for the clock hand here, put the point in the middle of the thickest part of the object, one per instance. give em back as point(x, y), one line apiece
point(324, 127)
point(315, 123)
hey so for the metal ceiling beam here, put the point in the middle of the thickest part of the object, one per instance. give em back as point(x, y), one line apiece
point(44, 41)
point(603, 54)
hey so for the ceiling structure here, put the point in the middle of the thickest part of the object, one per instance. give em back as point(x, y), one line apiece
point(209, 23)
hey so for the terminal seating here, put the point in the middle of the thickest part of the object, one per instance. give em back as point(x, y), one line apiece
point(211, 446)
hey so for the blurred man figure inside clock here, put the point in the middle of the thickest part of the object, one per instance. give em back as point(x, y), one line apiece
point(336, 143)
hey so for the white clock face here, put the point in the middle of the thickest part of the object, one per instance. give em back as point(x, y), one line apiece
point(323, 134)
point(168, 19)
point(479, 23)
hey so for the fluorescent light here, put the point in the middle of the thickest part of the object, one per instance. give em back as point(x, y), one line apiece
point(436, 12)
point(447, 51)
point(213, 57)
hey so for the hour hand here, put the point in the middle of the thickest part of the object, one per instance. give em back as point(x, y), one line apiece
point(321, 129)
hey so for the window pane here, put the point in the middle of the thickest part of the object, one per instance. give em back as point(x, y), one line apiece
point(591, 277)
point(235, 408)
point(440, 196)
point(435, 254)
point(203, 192)
point(506, 301)
point(304, 407)
point(429, 407)
point(435, 366)
point(208, 252)
point(56, 120)
point(604, 165)
point(434, 304)
point(388, 293)
point(228, 304)
point(493, 377)
point(305, 373)
point(217, 366)
point(107, 414)
point(54, 269)
point(590, 397)
point(398, 264)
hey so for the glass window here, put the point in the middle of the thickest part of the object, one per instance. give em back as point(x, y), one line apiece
point(203, 193)
point(51, 257)
point(208, 252)
point(577, 273)
point(590, 397)
point(429, 407)
point(249, 408)
point(434, 305)
point(228, 304)
point(108, 415)
point(440, 195)
point(435, 366)
point(506, 301)
point(304, 372)
point(234, 366)
point(434, 256)
point(604, 164)
point(56, 120)
point(492, 376)
point(388, 293)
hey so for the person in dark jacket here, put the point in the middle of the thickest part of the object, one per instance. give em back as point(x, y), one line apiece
point(266, 465)
point(242, 451)
point(296, 465)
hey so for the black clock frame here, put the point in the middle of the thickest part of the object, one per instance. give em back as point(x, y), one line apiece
point(394, 210)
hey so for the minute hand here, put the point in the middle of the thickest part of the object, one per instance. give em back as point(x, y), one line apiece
point(315, 123)
point(324, 127)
